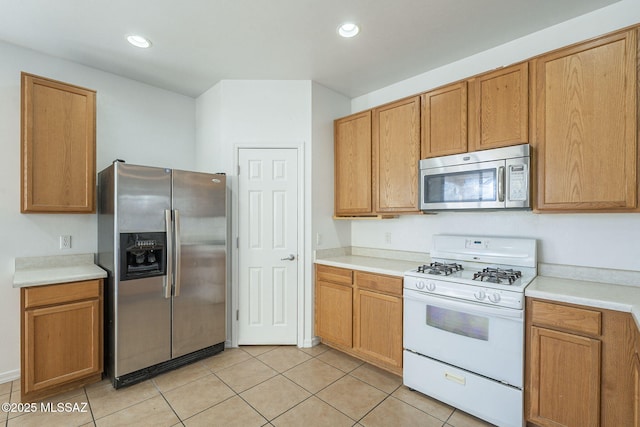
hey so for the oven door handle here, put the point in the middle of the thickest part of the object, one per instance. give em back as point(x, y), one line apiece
point(463, 306)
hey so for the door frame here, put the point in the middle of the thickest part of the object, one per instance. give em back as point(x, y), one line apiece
point(232, 341)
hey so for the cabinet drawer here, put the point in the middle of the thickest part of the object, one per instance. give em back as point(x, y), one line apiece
point(56, 294)
point(376, 282)
point(334, 274)
point(580, 320)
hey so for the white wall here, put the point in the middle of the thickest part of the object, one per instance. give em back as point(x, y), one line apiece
point(135, 122)
point(600, 240)
point(327, 232)
point(270, 113)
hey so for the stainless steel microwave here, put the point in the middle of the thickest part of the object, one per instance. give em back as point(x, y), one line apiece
point(490, 179)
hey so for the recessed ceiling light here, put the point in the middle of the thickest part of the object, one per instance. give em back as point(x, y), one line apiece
point(348, 29)
point(139, 41)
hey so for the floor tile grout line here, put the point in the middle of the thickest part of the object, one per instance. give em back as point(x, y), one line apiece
point(165, 399)
point(86, 395)
point(126, 407)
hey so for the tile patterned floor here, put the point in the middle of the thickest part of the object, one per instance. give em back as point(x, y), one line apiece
point(251, 386)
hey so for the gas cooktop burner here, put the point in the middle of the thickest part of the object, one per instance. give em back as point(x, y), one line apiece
point(496, 275)
point(440, 268)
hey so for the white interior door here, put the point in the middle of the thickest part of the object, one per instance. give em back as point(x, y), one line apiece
point(268, 246)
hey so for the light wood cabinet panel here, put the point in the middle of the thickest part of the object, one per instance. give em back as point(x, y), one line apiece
point(334, 274)
point(573, 319)
point(585, 129)
point(499, 108)
point(352, 159)
point(378, 326)
point(361, 317)
point(565, 385)
point(334, 313)
point(444, 121)
point(379, 283)
point(396, 153)
point(58, 155)
point(572, 352)
point(61, 344)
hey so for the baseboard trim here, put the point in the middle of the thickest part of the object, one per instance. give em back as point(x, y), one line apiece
point(5, 377)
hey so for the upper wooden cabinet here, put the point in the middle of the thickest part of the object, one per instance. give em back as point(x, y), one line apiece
point(58, 166)
point(499, 108)
point(585, 125)
point(396, 153)
point(352, 159)
point(444, 121)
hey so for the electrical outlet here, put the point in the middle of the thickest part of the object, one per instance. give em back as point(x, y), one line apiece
point(387, 238)
point(65, 242)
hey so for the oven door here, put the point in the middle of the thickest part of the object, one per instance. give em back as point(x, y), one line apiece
point(470, 186)
point(487, 340)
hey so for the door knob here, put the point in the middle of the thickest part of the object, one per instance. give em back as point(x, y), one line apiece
point(291, 257)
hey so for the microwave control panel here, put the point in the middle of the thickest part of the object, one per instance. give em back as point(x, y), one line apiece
point(518, 186)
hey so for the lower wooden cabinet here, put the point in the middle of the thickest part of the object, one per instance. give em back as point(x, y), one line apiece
point(61, 337)
point(580, 366)
point(378, 317)
point(360, 314)
point(565, 372)
point(334, 316)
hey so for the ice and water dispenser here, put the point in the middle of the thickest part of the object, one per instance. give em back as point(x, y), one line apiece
point(142, 255)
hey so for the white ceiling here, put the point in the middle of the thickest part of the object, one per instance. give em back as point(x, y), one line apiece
point(197, 43)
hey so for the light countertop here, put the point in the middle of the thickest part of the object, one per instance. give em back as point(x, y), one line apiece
point(600, 295)
point(391, 267)
point(619, 297)
point(49, 270)
point(377, 261)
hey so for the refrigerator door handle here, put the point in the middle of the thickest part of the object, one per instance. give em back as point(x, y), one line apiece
point(176, 215)
point(168, 254)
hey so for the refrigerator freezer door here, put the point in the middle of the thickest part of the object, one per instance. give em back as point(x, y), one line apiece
point(143, 194)
point(199, 307)
point(142, 313)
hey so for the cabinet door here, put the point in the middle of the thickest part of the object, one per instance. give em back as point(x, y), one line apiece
point(444, 121)
point(352, 157)
point(499, 108)
point(58, 147)
point(62, 343)
point(334, 314)
point(378, 326)
point(585, 125)
point(564, 383)
point(396, 153)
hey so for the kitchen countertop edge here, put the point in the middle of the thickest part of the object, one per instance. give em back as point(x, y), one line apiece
point(390, 267)
point(593, 294)
point(42, 271)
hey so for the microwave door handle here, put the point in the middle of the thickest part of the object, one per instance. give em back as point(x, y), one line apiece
point(501, 184)
point(168, 251)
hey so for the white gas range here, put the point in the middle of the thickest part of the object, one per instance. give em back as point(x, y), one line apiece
point(464, 324)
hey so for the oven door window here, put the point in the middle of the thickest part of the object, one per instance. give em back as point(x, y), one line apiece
point(460, 323)
point(460, 187)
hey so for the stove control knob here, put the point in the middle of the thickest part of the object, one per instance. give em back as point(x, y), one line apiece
point(420, 284)
point(480, 295)
point(431, 286)
point(495, 298)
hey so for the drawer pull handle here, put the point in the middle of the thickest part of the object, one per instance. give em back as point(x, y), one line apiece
point(455, 378)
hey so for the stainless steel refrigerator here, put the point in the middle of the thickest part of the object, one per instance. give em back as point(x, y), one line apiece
point(162, 237)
